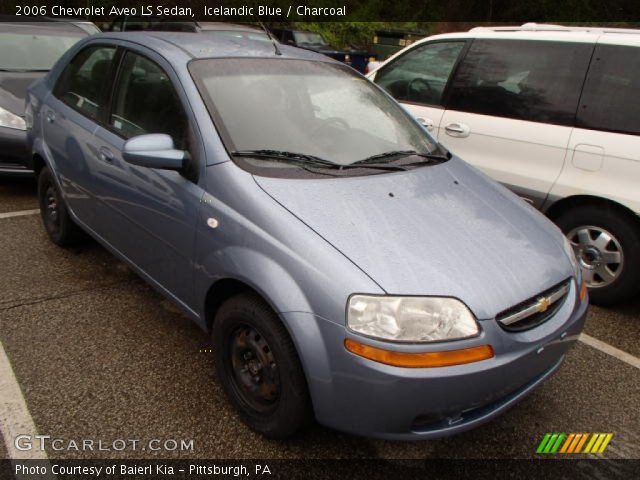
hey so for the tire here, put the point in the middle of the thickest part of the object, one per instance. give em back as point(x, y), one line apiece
point(603, 236)
point(55, 216)
point(259, 368)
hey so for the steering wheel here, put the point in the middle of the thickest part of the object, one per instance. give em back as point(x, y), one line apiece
point(327, 122)
point(419, 92)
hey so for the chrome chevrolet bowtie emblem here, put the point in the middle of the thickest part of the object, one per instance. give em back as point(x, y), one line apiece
point(543, 304)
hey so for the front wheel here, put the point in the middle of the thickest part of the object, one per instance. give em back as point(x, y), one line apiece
point(607, 246)
point(259, 368)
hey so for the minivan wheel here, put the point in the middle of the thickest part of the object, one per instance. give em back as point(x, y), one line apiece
point(259, 368)
point(56, 219)
point(607, 246)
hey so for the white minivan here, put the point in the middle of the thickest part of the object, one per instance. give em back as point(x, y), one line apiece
point(553, 113)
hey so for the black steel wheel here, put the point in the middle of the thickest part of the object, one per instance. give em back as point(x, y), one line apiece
point(258, 367)
point(56, 219)
point(254, 371)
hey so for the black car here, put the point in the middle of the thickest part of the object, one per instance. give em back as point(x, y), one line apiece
point(316, 42)
point(28, 50)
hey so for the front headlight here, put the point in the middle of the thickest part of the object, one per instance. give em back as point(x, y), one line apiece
point(568, 250)
point(411, 319)
point(11, 120)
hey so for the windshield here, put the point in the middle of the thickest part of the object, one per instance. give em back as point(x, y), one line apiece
point(309, 38)
point(311, 108)
point(34, 49)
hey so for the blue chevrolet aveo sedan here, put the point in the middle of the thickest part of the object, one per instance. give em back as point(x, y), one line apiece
point(347, 267)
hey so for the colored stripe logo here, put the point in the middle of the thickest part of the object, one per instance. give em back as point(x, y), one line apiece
point(554, 443)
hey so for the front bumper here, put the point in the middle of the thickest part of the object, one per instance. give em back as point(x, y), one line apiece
point(14, 156)
point(367, 398)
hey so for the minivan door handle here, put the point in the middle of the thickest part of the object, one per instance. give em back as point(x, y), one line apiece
point(51, 116)
point(457, 130)
point(105, 154)
point(426, 123)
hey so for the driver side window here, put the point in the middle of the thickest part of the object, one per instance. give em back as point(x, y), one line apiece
point(146, 102)
point(421, 75)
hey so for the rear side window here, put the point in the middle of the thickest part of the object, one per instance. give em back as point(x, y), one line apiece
point(83, 82)
point(146, 102)
point(421, 75)
point(611, 96)
point(538, 81)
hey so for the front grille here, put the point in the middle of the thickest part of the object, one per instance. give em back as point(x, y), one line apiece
point(535, 310)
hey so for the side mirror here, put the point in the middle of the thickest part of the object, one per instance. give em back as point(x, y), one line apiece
point(154, 150)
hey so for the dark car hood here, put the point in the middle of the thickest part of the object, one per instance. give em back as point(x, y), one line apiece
point(437, 230)
point(13, 89)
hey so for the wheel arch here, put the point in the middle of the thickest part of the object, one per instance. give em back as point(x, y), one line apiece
point(558, 208)
point(221, 291)
point(38, 164)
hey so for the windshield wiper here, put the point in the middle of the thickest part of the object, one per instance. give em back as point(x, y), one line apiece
point(309, 160)
point(402, 153)
point(286, 156)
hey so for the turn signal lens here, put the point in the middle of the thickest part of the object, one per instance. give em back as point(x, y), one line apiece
point(583, 291)
point(420, 360)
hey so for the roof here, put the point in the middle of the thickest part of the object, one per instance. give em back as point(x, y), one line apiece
point(228, 27)
point(546, 27)
point(533, 31)
point(196, 45)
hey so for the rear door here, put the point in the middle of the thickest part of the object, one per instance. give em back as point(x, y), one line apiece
point(70, 118)
point(418, 79)
point(511, 109)
point(604, 149)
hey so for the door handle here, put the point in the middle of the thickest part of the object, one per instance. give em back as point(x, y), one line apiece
point(426, 123)
point(105, 154)
point(457, 130)
point(51, 116)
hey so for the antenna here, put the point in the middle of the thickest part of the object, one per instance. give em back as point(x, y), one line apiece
point(273, 40)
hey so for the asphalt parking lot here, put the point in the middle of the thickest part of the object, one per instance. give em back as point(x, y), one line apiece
point(98, 354)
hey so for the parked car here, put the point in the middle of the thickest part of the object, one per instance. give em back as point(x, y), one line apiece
point(27, 52)
point(552, 113)
point(389, 41)
point(212, 29)
point(315, 42)
point(344, 264)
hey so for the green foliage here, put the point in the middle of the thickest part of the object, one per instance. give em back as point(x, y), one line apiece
point(345, 34)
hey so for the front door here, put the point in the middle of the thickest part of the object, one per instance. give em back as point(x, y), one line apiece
point(419, 77)
point(152, 212)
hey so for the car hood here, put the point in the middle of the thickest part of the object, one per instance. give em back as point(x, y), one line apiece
point(443, 230)
point(13, 89)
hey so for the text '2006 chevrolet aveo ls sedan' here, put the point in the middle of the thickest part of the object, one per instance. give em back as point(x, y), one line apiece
point(347, 267)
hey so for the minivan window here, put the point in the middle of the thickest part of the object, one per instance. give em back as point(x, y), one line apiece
point(145, 101)
point(421, 75)
point(611, 96)
point(314, 108)
point(83, 83)
point(538, 81)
